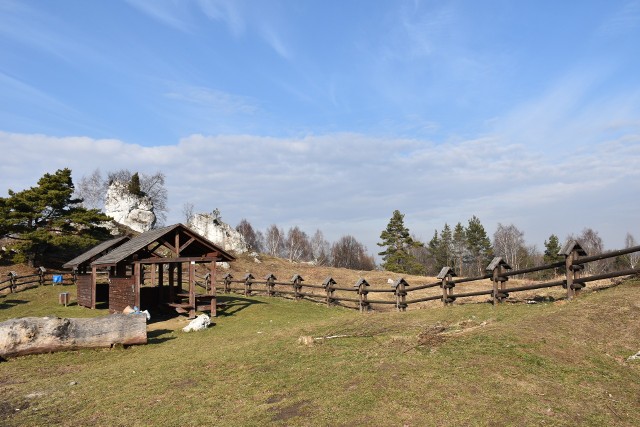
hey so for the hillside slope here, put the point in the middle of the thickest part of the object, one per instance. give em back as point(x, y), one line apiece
point(561, 363)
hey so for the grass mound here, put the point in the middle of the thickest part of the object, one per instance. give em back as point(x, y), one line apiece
point(553, 363)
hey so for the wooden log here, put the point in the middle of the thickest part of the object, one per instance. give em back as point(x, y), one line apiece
point(33, 335)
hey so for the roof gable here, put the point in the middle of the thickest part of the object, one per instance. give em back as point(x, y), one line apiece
point(96, 251)
point(196, 245)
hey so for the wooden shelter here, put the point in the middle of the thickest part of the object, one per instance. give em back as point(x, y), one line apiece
point(86, 279)
point(139, 267)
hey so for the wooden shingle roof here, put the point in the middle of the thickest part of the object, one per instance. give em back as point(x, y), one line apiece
point(95, 251)
point(142, 241)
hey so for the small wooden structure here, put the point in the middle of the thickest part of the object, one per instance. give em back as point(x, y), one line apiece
point(498, 267)
point(137, 270)
point(86, 277)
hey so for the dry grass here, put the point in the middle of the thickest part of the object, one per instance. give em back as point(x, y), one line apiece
point(557, 363)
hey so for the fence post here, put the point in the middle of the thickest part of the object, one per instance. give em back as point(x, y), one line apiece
point(297, 285)
point(447, 286)
point(271, 278)
point(13, 277)
point(498, 267)
point(401, 294)
point(247, 284)
point(227, 282)
point(41, 271)
point(361, 285)
point(328, 287)
point(571, 252)
point(207, 282)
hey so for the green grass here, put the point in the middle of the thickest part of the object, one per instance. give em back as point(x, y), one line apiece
point(473, 364)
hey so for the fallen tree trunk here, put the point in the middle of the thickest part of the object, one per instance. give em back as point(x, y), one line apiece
point(31, 335)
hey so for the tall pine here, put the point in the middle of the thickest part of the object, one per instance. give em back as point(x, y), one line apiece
point(398, 242)
point(47, 219)
point(478, 244)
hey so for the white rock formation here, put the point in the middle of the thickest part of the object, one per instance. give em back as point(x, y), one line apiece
point(222, 234)
point(135, 212)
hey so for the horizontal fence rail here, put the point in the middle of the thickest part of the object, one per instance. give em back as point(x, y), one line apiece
point(498, 273)
point(16, 283)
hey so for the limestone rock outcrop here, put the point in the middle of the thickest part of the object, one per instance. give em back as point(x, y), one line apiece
point(222, 234)
point(136, 212)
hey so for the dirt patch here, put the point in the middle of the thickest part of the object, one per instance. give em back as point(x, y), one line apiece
point(275, 399)
point(9, 409)
point(290, 411)
point(186, 383)
point(432, 336)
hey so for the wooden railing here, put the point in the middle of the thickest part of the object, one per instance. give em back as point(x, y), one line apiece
point(492, 284)
point(41, 277)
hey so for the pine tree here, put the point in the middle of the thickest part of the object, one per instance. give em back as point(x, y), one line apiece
point(551, 249)
point(47, 218)
point(134, 185)
point(398, 242)
point(478, 244)
point(459, 247)
point(446, 246)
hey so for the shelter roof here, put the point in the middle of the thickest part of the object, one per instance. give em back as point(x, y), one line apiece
point(96, 252)
point(192, 245)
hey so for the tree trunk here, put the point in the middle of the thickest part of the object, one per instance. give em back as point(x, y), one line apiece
point(31, 335)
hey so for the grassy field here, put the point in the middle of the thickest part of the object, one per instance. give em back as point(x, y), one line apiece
point(560, 363)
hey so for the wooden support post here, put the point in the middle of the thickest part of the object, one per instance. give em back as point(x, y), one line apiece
point(498, 267)
point(74, 277)
point(571, 252)
point(297, 280)
point(328, 287)
point(192, 289)
point(179, 277)
point(153, 274)
point(172, 284)
point(227, 282)
point(247, 284)
point(271, 278)
point(361, 286)
point(13, 278)
point(161, 298)
point(447, 285)
point(401, 294)
point(212, 278)
point(94, 280)
point(137, 273)
point(212, 289)
point(41, 278)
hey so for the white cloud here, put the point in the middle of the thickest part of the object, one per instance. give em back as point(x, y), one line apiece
point(350, 183)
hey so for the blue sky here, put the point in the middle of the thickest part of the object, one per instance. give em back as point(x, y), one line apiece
point(332, 114)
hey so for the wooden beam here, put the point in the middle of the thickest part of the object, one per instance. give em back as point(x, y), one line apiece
point(179, 259)
point(177, 245)
point(94, 279)
point(190, 241)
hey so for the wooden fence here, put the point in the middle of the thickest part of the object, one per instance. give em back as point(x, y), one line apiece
point(494, 283)
point(41, 277)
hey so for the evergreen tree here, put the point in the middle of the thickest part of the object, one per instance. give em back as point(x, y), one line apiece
point(459, 244)
point(47, 218)
point(478, 244)
point(551, 249)
point(398, 242)
point(134, 185)
point(446, 246)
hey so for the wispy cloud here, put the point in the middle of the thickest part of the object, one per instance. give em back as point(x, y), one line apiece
point(215, 101)
point(345, 181)
point(227, 11)
point(625, 19)
point(175, 14)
